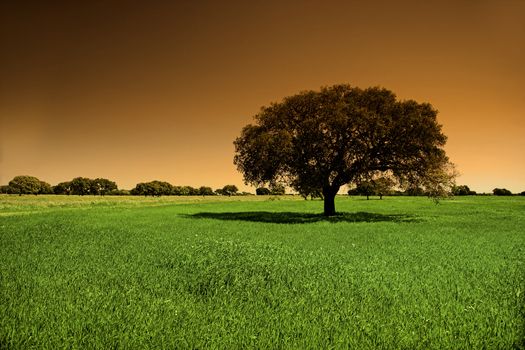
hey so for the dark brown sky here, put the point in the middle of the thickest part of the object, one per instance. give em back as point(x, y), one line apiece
point(159, 90)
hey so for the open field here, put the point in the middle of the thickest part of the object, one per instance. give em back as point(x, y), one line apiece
point(179, 272)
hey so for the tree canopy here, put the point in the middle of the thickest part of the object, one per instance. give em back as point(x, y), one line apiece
point(501, 192)
point(376, 187)
point(462, 190)
point(228, 190)
point(322, 140)
point(25, 184)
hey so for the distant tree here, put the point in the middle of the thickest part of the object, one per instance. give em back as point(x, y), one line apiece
point(277, 189)
point(306, 189)
point(5, 189)
point(192, 191)
point(205, 191)
point(462, 190)
point(229, 190)
point(185, 191)
point(80, 186)
point(25, 184)
point(45, 188)
point(117, 192)
point(501, 192)
point(522, 193)
point(415, 191)
point(160, 188)
point(62, 188)
point(262, 191)
point(102, 186)
point(341, 135)
point(153, 188)
point(140, 189)
point(176, 190)
point(383, 186)
point(380, 186)
point(364, 188)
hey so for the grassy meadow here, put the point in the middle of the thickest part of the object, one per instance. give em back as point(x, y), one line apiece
point(261, 272)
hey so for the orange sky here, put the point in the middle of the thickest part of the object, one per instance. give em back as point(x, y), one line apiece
point(159, 90)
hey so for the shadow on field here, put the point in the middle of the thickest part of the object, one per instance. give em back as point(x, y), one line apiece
point(301, 218)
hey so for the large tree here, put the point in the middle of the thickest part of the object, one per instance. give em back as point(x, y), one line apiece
point(322, 140)
point(25, 184)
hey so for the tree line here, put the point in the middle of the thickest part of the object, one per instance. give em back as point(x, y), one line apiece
point(386, 187)
point(81, 186)
point(380, 187)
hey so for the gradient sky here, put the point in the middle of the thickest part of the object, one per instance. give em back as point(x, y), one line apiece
point(160, 89)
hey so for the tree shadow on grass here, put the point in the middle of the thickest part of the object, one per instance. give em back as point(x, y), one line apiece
point(302, 218)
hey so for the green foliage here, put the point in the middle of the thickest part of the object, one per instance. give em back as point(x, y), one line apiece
point(206, 191)
point(102, 186)
point(192, 191)
point(179, 191)
point(117, 192)
point(501, 192)
point(381, 186)
point(45, 188)
point(228, 190)
point(62, 188)
point(277, 189)
point(415, 191)
point(246, 272)
point(462, 190)
point(262, 191)
point(153, 188)
point(24, 184)
point(80, 186)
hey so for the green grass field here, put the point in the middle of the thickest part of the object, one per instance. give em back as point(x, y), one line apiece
point(128, 272)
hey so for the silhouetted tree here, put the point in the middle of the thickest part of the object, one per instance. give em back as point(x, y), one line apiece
point(462, 190)
point(262, 191)
point(306, 190)
point(176, 190)
point(45, 188)
point(5, 189)
point(102, 186)
point(277, 189)
point(341, 135)
point(501, 192)
point(62, 188)
point(415, 191)
point(152, 188)
point(206, 191)
point(229, 190)
point(364, 188)
point(140, 189)
point(381, 186)
point(192, 191)
point(24, 184)
point(117, 192)
point(80, 186)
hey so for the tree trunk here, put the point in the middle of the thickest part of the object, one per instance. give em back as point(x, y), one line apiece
point(329, 200)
